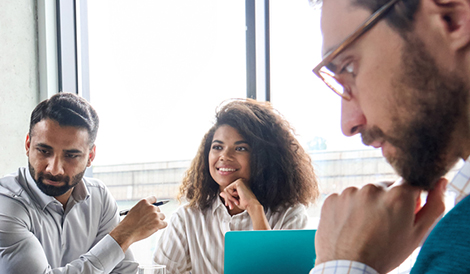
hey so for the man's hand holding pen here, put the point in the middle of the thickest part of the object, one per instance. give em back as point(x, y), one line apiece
point(141, 221)
point(159, 203)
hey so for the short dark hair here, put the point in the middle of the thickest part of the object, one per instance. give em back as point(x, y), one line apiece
point(400, 17)
point(67, 109)
point(281, 171)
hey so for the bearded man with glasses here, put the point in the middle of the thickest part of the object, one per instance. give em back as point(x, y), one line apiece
point(402, 69)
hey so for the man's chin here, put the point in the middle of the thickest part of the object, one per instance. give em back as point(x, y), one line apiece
point(52, 190)
point(416, 174)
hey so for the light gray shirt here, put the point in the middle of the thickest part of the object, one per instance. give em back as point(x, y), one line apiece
point(194, 239)
point(38, 236)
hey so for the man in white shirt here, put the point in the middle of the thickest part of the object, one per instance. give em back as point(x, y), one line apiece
point(402, 70)
point(52, 219)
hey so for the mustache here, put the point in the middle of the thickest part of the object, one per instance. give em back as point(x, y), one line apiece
point(372, 134)
point(57, 178)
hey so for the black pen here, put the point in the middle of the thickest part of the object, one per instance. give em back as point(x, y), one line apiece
point(124, 212)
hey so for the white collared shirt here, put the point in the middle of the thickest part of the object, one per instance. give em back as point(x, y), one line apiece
point(194, 239)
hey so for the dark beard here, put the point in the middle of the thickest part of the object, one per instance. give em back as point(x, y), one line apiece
point(433, 103)
point(54, 191)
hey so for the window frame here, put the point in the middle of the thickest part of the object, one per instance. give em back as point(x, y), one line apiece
point(63, 47)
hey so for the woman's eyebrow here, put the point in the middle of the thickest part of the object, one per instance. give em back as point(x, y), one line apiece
point(241, 142)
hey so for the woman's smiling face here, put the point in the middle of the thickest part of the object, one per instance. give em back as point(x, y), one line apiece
point(229, 156)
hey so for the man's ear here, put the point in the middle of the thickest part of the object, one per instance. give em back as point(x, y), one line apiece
point(455, 16)
point(27, 144)
point(91, 155)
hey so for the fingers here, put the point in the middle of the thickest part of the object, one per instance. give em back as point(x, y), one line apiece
point(238, 194)
point(147, 216)
point(230, 201)
point(230, 193)
point(418, 204)
point(144, 205)
point(143, 220)
point(232, 188)
point(433, 208)
point(386, 184)
point(364, 225)
point(151, 199)
point(162, 223)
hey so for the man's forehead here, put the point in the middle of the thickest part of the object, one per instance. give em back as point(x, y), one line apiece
point(50, 132)
point(339, 19)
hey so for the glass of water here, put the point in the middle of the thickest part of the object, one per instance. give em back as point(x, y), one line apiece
point(152, 269)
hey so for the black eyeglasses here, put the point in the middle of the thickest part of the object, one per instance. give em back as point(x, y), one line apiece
point(328, 76)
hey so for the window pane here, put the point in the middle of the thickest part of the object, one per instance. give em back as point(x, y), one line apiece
point(158, 69)
point(311, 107)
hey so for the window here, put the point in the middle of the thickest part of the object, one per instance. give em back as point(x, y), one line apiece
point(158, 69)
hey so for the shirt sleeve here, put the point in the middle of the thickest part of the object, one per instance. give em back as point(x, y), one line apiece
point(172, 247)
point(109, 220)
point(21, 252)
point(343, 267)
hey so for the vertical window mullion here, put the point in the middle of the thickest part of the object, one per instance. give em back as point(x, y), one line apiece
point(67, 46)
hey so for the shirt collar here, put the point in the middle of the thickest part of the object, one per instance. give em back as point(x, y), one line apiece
point(460, 184)
point(80, 192)
point(216, 204)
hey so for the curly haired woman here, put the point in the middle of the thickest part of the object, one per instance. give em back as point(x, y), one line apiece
point(250, 173)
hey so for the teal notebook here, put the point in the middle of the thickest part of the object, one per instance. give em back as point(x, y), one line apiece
point(269, 251)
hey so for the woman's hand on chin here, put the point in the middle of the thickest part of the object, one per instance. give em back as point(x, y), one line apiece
point(239, 195)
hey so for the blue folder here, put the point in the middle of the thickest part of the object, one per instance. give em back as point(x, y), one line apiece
point(269, 251)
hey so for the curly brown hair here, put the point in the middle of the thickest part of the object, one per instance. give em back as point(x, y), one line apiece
point(281, 171)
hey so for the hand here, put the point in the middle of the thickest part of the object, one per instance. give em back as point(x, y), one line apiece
point(239, 195)
point(143, 220)
point(377, 226)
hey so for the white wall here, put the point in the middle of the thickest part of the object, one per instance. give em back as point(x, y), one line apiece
point(19, 89)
